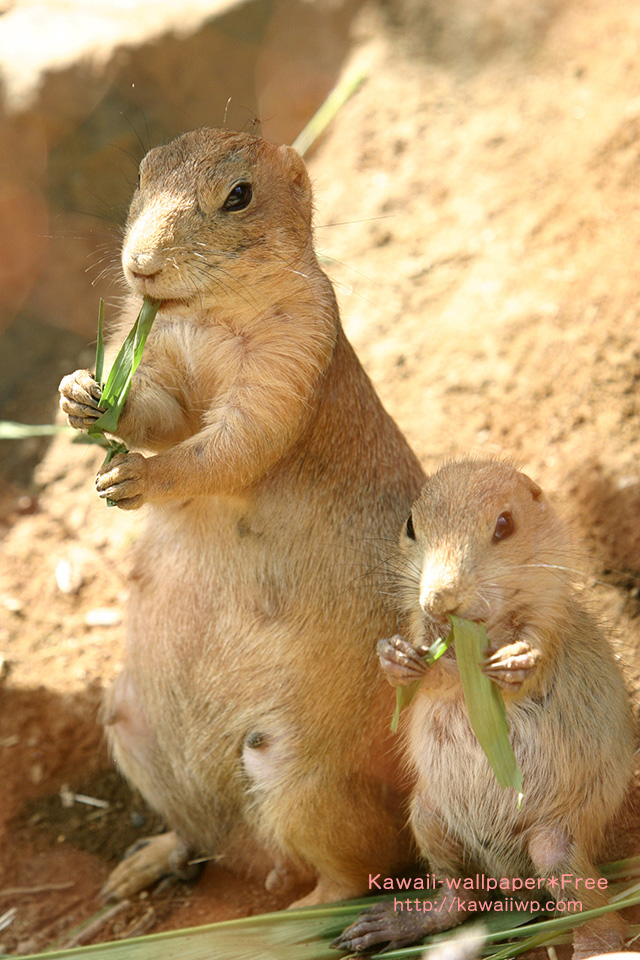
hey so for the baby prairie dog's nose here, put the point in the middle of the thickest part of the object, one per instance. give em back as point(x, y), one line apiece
point(439, 590)
point(439, 601)
point(143, 264)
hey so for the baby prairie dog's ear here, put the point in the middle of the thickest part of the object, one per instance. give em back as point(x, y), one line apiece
point(532, 487)
point(296, 172)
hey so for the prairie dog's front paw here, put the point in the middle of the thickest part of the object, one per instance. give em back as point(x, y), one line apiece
point(124, 480)
point(510, 666)
point(400, 661)
point(80, 396)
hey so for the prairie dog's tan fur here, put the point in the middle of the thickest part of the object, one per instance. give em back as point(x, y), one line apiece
point(250, 707)
point(483, 543)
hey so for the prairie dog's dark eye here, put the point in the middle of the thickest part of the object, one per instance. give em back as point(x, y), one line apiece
point(239, 197)
point(411, 533)
point(505, 526)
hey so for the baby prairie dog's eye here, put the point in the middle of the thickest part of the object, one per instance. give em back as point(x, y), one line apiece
point(505, 526)
point(239, 197)
point(409, 529)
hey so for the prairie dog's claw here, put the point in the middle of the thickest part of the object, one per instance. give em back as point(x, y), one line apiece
point(80, 396)
point(400, 661)
point(124, 480)
point(381, 924)
point(146, 862)
point(509, 666)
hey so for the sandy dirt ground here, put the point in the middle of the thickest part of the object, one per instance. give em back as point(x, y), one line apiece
point(478, 210)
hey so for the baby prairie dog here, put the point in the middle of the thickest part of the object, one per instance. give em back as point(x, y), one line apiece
point(483, 543)
point(250, 710)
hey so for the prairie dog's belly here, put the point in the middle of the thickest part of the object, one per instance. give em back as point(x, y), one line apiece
point(575, 769)
point(232, 673)
point(454, 779)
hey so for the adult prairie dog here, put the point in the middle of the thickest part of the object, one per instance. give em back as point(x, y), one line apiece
point(483, 543)
point(250, 710)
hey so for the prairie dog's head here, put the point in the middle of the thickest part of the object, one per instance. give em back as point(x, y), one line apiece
point(483, 543)
point(216, 215)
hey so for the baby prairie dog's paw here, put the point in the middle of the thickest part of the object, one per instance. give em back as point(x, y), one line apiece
point(124, 480)
point(511, 665)
point(80, 396)
point(400, 661)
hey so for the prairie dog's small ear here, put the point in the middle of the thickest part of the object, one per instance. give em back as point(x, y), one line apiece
point(296, 171)
point(532, 487)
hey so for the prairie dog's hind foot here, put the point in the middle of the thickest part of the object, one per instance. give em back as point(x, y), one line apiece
point(400, 661)
point(400, 923)
point(146, 862)
point(80, 395)
point(382, 924)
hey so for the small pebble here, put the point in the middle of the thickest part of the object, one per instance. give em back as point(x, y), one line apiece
point(69, 576)
point(66, 796)
point(36, 773)
point(27, 946)
point(103, 617)
point(12, 604)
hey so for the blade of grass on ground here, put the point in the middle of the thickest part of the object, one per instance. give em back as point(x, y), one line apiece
point(10, 430)
point(284, 935)
point(306, 934)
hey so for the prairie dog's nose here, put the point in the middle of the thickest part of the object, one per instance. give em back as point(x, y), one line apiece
point(439, 600)
point(143, 265)
point(439, 584)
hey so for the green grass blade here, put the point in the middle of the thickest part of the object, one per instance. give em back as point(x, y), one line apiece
point(100, 343)
point(530, 943)
point(284, 935)
point(487, 713)
point(9, 430)
point(325, 114)
point(622, 868)
point(306, 934)
point(116, 389)
point(520, 929)
point(118, 383)
point(404, 696)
